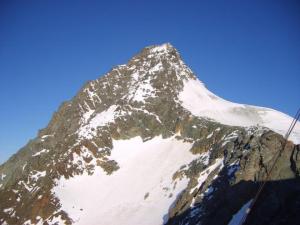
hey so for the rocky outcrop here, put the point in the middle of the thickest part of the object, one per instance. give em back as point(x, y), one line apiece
point(247, 161)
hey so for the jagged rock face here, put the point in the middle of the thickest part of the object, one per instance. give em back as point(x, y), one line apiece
point(246, 162)
point(129, 149)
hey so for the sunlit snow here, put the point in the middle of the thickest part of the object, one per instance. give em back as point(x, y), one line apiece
point(145, 167)
point(40, 152)
point(203, 103)
point(89, 130)
point(205, 173)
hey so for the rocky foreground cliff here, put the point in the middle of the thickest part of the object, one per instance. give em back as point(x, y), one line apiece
point(147, 143)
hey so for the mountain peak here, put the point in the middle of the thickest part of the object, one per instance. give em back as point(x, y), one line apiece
point(161, 59)
point(165, 50)
point(147, 135)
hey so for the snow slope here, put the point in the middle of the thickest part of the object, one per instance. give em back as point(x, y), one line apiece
point(140, 192)
point(203, 103)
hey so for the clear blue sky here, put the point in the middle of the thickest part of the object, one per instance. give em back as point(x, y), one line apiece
point(245, 51)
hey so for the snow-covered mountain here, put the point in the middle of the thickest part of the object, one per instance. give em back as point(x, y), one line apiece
point(148, 143)
point(203, 103)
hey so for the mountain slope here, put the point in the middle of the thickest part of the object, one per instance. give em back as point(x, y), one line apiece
point(146, 143)
point(140, 185)
point(203, 103)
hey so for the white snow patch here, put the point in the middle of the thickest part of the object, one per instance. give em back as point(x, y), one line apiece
point(204, 157)
point(103, 117)
point(24, 166)
point(205, 173)
point(38, 174)
point(210, 135)
point(160, 49)
point(39, 153)
point(89, 130)
point(203, 103)
point(238, 217)
point(145, 167)
point(2, 176)
point(87, 115)
point(156, 68)
point(46, 136)
point(27, 222)
point(230, 137)
point(144, 90)
point(8, 210)
point(135, 76)
point(40, 220)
